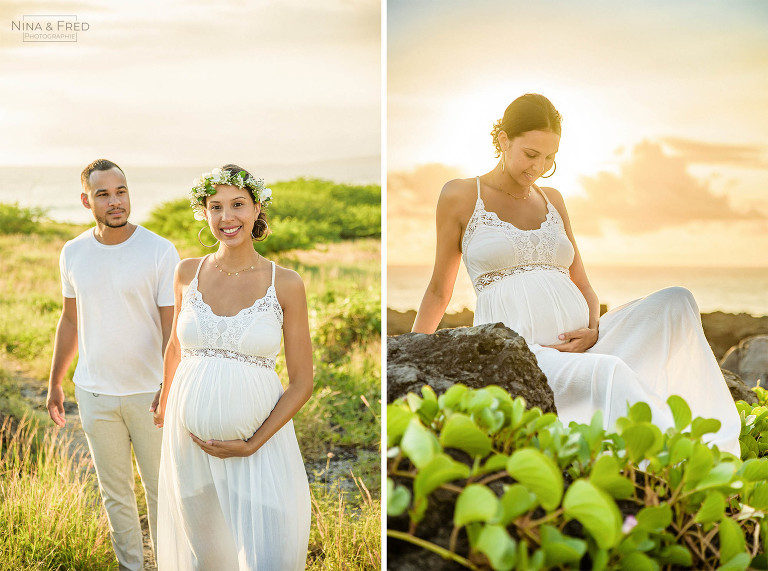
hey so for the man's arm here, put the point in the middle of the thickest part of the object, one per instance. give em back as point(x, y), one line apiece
point(166, 324)
point(64, 350)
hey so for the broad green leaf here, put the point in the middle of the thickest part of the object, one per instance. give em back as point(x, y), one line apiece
point(398, 498)
point(397, 421)
point(498, 546)
point(428, 393)
point(596, 511)
point(755, 470)
point(638, 562)
point(560, 549)
point(605, 475)
point(450, 398)
point(414, 401)
point(477, 400)
point(759, 497)
point(489, 420)
point(739, 562)
point(475, 503)
point(699, 464)
point(495, 463)
point(640, 412)
point(732, 540)
point(681, 450)
point(681, 412)
point(676, 555)
point(515, 501)
point(701, 426)
point(440, 470)
point(638, 438)
point(419, 444)
point(460, 432)
point(712, 508)
point(539, 474)
point(720, 475)
point(656, 518)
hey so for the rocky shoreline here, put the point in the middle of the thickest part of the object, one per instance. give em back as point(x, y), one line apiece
point(723, 330)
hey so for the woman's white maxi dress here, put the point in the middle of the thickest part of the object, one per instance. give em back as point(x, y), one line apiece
point(237, 513)
point(647, 349)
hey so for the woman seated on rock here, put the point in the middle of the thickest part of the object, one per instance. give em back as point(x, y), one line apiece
point(518, 246)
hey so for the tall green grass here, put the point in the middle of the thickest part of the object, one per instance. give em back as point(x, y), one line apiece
point(50, 516)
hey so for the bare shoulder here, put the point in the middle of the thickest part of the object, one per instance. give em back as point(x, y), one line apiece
point(288, 281)
point(459, 190)
point(186, 269)
point(458, 195)
point(554, 196)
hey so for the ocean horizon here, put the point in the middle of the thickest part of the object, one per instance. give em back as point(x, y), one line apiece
point(727, 289)
point(57, 188)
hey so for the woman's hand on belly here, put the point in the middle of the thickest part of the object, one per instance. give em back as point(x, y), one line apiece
point(576, 341)
point(224, 448)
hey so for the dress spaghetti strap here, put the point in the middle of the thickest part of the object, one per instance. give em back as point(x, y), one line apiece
point(478, 188)
point(273, 275)
point(546, 198)
point(200, 265)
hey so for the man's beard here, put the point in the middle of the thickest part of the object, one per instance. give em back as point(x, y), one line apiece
point(103, 220)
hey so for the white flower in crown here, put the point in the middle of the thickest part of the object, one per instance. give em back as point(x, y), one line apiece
point(203, 187)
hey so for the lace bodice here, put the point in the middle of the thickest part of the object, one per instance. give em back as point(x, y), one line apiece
point(493, 249)
point(251, 335)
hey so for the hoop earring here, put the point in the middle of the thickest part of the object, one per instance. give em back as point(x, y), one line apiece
point(553, 170)
point(201, 242)
point(503, 159)
point(266, 229)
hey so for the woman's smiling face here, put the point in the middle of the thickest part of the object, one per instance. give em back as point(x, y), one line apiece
point(231, 213)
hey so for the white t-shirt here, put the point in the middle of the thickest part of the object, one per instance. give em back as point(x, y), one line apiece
point(118, 290)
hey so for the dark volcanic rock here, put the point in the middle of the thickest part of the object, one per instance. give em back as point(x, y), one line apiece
point(489, 354)
point(739, 390)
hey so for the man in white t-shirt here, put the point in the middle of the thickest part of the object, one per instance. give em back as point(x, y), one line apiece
point(117, 281)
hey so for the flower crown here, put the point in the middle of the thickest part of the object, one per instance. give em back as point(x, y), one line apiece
point(202, 187)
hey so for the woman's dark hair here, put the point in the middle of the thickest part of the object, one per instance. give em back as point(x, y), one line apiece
point(260, 229)
point(529, 112)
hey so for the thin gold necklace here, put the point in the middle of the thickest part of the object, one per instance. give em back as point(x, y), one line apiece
point(517, 197)
point(223, 271)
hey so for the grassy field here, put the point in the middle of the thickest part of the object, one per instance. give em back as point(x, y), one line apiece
point(338, 430)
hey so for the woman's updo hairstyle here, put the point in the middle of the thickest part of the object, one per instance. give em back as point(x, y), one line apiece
point(260, 227)
point(529, 112)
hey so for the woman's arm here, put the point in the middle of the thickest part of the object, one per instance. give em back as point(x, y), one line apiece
point(450, 218)
point(185, 271)
point(582, 339)
point(298, 360)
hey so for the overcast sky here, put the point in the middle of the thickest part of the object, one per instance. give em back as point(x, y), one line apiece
point(194, 82)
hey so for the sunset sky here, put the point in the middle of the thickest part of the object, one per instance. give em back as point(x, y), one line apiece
point(196, 82)
point(664, 153)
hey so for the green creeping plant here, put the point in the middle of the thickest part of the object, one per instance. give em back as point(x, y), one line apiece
point(529, 493)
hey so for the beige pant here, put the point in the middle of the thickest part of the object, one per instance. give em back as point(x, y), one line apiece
point(112, 424)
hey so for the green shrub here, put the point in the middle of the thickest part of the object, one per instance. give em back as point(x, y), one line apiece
point(17, 220)
point(304, 212)
point(527, 492)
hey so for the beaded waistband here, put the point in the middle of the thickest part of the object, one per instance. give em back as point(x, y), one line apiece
point(254, 360)
point(488, 279)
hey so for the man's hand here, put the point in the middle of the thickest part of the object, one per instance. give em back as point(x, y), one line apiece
point(55, 405)
point(576, 341)
point(223, 448)
point(155, 401)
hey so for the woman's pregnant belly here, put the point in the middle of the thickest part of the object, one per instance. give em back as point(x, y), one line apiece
point(222, 399)
point(539, 305)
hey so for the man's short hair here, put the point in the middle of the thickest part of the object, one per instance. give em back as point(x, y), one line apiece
point(97, 165)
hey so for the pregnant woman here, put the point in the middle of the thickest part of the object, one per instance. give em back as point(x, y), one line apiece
point(518, 246)
point(233, 493)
